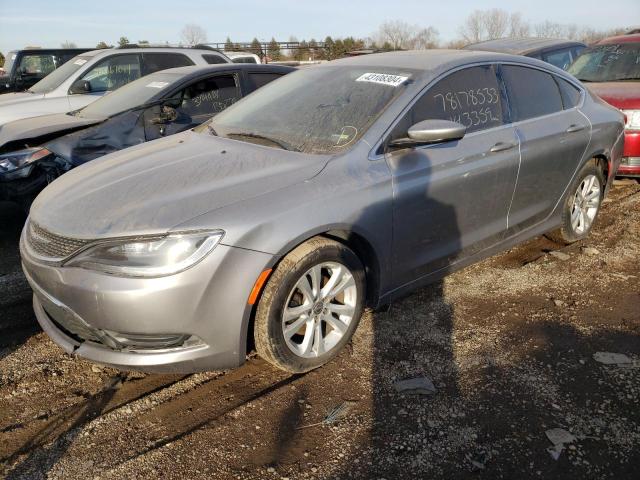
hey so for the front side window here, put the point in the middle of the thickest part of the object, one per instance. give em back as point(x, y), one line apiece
point(154, 62)
point(321, 110)
point(59, 75)
point(532, 93)
point(559, 58)
point(205, 98)
point(471, 97)
point(608, 63)
point(113, 72)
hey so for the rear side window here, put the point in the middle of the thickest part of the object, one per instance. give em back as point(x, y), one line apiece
point(532, 93)
point(471, 97)
point(570, 94)
point(213, 59)
point(113, 72)
point(154, 62)
point(258, 80)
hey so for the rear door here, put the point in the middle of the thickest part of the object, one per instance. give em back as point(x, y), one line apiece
point(451, 199)
point(553, 139)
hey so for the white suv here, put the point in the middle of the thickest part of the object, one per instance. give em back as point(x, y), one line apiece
point(90, 75)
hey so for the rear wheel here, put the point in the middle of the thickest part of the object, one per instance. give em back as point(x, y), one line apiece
point(310, 306)
point(581, 206)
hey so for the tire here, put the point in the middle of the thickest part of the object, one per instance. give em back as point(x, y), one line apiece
point(315, 331)
point(579, 213)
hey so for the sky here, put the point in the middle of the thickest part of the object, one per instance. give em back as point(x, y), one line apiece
point(48, 23)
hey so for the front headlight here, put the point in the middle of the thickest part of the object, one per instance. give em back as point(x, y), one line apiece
point(148, 257)
point(19, 164)
point(633, 119)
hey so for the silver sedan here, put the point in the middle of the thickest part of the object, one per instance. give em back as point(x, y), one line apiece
point(335, 188)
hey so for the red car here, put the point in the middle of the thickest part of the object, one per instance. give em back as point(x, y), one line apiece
point(611, 70)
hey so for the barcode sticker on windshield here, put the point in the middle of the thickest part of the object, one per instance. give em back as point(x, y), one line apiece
point(383, 78)
point(157, 84)
point(80, 61)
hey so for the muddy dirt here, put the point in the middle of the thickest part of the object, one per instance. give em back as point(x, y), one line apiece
point(509, 344)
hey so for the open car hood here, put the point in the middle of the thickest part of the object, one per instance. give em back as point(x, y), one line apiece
point(43, 126)
point(150, 188)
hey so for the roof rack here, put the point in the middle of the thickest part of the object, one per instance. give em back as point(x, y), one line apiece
point(161, 45)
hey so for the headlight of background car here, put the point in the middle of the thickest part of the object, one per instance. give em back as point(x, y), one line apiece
point(148, 257)
point(633, 119)
point(19, 164)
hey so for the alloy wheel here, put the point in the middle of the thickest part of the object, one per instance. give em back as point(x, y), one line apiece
point(586, 202)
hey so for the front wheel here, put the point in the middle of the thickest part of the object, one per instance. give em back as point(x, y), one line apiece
point(582, 205)
point(310, 306)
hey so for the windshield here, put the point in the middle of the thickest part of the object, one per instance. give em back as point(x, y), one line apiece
point(608, 63)
point(132, 95)
point(59, 75)
point(8, 62)
point(320, 110)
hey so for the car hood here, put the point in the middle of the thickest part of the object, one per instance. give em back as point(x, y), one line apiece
point(618, 94)
point(45, 125)
point(150, 188)
point(9, 99)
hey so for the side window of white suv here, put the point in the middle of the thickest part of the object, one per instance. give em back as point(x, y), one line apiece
point(113, 72)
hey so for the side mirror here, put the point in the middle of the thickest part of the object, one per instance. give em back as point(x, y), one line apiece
point(430, 131)
point(80, 87)
point(167, 114)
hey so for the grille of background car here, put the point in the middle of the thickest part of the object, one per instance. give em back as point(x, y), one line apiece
point(49, 245)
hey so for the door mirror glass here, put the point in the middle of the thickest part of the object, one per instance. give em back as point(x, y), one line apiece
point(430, 131)
point(80, 87)
point(167, 115)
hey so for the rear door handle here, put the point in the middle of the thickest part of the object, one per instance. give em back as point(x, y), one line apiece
point(501, 146)
point(574, 128)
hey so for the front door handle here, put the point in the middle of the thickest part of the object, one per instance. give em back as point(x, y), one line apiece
point(502, 146)
point(574, 128)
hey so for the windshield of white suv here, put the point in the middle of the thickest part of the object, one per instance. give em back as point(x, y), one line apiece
point(608, 63)
point(59, 75)
point(133, 95)
point(322, 110)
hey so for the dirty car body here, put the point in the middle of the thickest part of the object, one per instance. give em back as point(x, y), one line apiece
point(155, 106)
point(288, 164)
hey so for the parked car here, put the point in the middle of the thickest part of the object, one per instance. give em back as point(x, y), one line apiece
point(560, 53)
point(339, 186)
point(611, 70)
point(90, 75)
point(160, 104)
point(24, 68)
point(243, 57)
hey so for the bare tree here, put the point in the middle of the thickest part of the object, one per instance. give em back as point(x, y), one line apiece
point(67, 44)
point(518, 27)
point(400, 35)
point(494, 23)
point(192, 34)
point(549, 29)
point(472, 30)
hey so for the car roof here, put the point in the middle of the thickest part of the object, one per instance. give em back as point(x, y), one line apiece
point(196, 71)
point(106, 51)
point(520, 46)
point(629, 38)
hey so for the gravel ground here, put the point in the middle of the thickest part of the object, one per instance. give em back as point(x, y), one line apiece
point(511, 345)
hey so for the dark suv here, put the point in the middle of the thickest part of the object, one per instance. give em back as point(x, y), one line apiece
point(24, 68)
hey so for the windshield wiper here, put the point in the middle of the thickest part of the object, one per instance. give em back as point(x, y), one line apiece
point(279, 143)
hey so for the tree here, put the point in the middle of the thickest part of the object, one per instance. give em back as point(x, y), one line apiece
point(1, 60)
point(328, 48)
point(228, 44)
point(313, 50)
point(67, 44)
point(192, 34)
point(123, 41)
point(256, 48)
point(273, 50)
point(483, 25)
point(302, 52)
point(400, 35)
point(103, 45)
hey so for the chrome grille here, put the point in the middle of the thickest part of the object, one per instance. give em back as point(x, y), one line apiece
point(46, 244)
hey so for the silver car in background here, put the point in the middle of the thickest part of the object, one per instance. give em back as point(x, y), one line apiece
point(335, 188)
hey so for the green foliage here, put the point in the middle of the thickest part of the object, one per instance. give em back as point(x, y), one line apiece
point(103, 45)
point(123, 41)
point(273, 50)
point(228, 44)
point(1, 60)
point(256, 48)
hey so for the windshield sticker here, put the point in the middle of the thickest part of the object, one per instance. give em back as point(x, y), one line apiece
point(157, 84)
point(345, 137)
point(80, 61)
point(382, 78)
